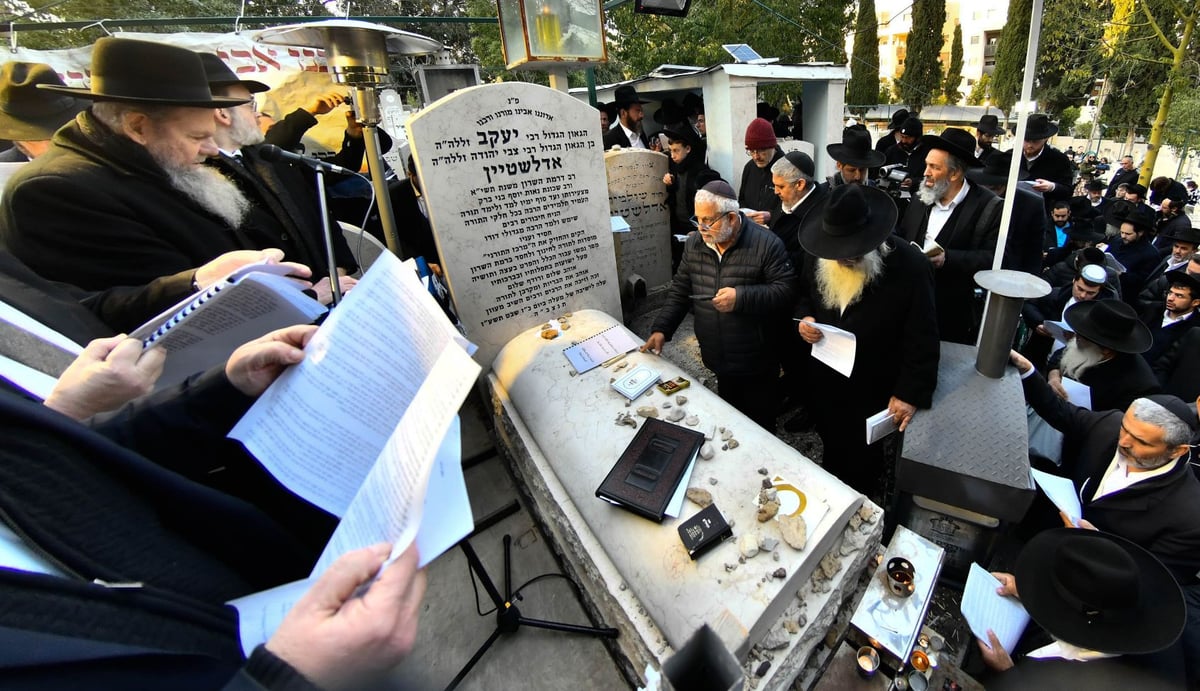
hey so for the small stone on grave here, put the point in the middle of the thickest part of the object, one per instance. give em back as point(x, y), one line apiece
point(647, 411)
point(794, 531)
point(681, 399)
point(701, 497)
point(706, 451)
point(676, 414)
point(748, 545)
point(691, 421)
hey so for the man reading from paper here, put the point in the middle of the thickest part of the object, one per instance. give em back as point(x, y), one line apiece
point(860, 278)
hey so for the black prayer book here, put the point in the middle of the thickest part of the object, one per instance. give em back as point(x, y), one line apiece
point(649, 470)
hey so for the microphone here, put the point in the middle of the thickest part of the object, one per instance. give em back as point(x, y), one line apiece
point(270, 152)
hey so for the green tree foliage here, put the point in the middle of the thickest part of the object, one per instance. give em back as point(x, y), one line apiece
point(863, 88)
point(1010, 55)
point(1069, 56)
point(954, 69)
point(1137, 69)
point(922, 78)
point(981, 91)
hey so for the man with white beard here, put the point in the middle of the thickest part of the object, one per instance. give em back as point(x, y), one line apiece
point(860, 278)
point(1104, 355)
point(282, 209)
point(123, 197)
point(956, 224)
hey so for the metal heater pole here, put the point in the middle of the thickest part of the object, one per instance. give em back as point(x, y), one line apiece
point(366, 105)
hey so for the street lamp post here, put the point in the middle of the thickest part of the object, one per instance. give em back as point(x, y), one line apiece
point(552, 35)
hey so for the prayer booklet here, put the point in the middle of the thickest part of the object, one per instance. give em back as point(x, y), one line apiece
point(203, 329)
point(984, 609)
point(365, 428)
point(880, 425)
point(595, 350)
point(650, 469)
point(1078, 393)
point(636, 382)
point(836, 348)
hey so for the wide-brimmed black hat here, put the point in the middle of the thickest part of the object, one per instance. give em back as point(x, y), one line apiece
point(898, 119)
point(1124, 211)
point(693, 104)
point(856, 149)
point(131, 71)
point(1136, 188)
point(957, 142)
point(1181, 277)
point(1099, 591)
point(669, 113)
point(1095, 186)
point(1111, 324)
point(28, 113)
point(609, 108)
point(1084, 232)
point(682, 134)
point(766, 111)
point(1183, 234)
point(1039, 127)
point(219, 74)
point(994, 172)
point(626, 96)
point(1081, 207)
point(856, 220)
point(989, 124)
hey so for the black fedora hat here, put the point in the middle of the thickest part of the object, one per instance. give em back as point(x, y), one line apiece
point(693, 104)
point(1181, 277)
point(898, 119)
point(1095, 186)
point(1099, 591)
point(855, 149)
point(1125, 211)
point(957, 142)
point(1085, 232)
point(682, 134)
point(994, 172)
point(766, 111)
point(1080, 207)
point(856, 220)
point(609, 108)
point(669, 113)
point(626, 96)
point(131, 71)
point(1039, 127)
point(1111, 324)
point(1183, 234)
point(990, 124)
point(219, 74)
point(28, 113)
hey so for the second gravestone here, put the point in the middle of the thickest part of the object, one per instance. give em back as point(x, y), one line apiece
point(514, 181)
point(637, 194)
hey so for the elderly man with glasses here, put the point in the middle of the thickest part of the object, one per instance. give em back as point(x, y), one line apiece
point(757, 193)
point(736, 278)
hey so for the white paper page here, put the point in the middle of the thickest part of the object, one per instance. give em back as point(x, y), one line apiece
point(984, 609)
point(609, 343)
point(675, 506)
point(1061, 492)
point(880, 425)
point(24, 322)
point(319, 428)
point(836, 348)
point(259, 614)
point(1078, 393)
point(619, 224)
point(446, 502)
point(27, 378)
point(387, 508)
point(1060, 332)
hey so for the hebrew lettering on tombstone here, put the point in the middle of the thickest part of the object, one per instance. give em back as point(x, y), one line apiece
point(637, 194)
point(514, 181)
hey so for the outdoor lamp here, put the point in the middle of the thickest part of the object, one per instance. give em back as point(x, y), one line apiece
point(670, 8)
point(545, 34)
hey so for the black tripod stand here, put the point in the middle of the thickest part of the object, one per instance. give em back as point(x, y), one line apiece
point(508, 617)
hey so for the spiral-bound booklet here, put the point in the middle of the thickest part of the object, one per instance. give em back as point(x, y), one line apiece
point(203, 329)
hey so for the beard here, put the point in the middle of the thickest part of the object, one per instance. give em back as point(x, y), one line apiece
point(243, 128)
point(841, 286)
point(1146, 463)
point(928, 195)
point(206, 186)
point(1079, 356)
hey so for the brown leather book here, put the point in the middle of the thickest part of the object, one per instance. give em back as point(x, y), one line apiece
point(646, 475)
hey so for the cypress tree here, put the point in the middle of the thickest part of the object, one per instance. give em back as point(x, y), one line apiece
point(1010, 55)
point(922, 78)
point(863, 88)
point(954, 70)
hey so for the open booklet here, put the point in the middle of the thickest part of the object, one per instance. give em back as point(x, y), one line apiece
point(203, 329)
point(356, 428)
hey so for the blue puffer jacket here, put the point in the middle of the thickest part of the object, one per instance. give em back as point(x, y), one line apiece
point(746, 340)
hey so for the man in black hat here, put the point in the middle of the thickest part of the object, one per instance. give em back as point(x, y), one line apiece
point(858, 277)
point(956, 223)
point(906, 142)
point(29, 116)
point(1134, 251)
point(284, 211)
point(682, 180)
point(627, 132)
point(1176, 316)
point(1169, 223)
point(892, 137)
point(1126, 175)
point(736, 279)
point(853, 157)
point(123, 196)
point(1183, 243)
point(986, 131)
point(1105, 354)
point(1024, 250)
point(1048, 167)
point(1089, 284)
point(1107, 615)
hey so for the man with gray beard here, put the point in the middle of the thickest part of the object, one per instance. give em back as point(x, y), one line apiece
point(1104, 355)
point(859, 277)
point(281, 205)
point(123, 197)
point(956, 225)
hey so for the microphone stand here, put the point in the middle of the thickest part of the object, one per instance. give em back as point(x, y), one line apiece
point(334, 285)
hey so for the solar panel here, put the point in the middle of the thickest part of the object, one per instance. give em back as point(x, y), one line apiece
point(742, 52)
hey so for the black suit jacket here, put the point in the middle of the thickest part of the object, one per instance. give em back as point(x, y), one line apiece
point(1052, 165)
point(1120, 177)
point(1116, 382)
point(1023, 251)
point(615, 136)
point(969, 238)
point(1158, 514)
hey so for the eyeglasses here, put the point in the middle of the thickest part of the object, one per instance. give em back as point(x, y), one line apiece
point(708, 225)
point(759, 152)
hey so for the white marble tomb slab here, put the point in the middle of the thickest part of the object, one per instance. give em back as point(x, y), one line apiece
point(515, 185)
point(569, 423)
point(637, 194)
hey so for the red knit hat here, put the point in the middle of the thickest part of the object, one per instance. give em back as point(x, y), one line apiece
point(760, 135)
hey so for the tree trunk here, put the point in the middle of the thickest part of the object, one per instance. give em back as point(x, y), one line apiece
point(1164, 103)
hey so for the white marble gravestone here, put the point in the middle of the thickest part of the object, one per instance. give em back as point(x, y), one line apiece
point(515, 185)
point(637, 194)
